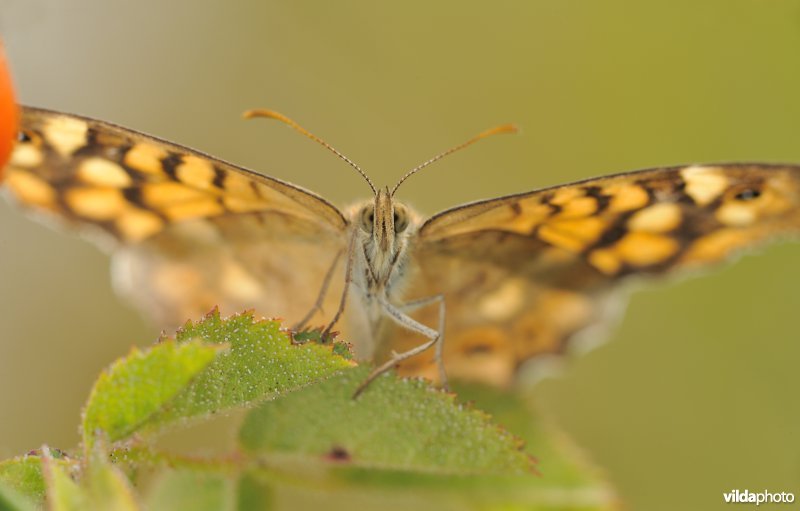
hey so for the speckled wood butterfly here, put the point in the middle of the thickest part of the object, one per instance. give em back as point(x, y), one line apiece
point(505, 280)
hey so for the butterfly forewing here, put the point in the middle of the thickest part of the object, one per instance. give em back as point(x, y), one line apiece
point(132, 185)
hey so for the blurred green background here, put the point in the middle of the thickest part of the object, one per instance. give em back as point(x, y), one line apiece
point(696, 395)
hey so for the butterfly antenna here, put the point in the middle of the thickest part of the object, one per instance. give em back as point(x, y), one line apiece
point(505, 128)
point(270, 114)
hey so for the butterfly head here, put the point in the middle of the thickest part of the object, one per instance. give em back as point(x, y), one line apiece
point(384, 220)
point(383, 227)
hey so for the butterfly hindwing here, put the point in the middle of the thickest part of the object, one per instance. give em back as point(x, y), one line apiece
point(272, 263)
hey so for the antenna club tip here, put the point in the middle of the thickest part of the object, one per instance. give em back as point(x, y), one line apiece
point(508, 128)
point(497, 130)
point(262, 112)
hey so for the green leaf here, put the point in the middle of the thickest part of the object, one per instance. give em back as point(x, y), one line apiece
point(254, 494)
point(135, 388)
point(561, 463)
point(12, 500)
point(63, 494)
point(191, 490)
point(395, 424)
point(344, 488)
point(23, 475)
point(106, 486)
point(402, 445)
point(262, 362)
point(196, 489)
point(567, 480)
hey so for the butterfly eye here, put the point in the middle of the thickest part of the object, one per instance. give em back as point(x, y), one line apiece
point(748, 194)
point(367, 218)
point(400, 219)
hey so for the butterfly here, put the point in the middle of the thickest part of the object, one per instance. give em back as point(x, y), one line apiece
point(475, 292)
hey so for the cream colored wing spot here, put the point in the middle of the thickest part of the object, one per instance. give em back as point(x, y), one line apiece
point(736, 215)
point(26, 155)
point(30, 189)
point(573, 235)
point(95, 203)
point(662, 217)
point(176, 280)
point(102, 172)
point(503, 303)
point(196, 172)
point(138, 224)
point(237, 284)
point(65, 134)
point(704, 184)
point(146, 158)
point(626, 197)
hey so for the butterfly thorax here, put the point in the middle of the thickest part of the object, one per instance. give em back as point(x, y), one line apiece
point(382, 230)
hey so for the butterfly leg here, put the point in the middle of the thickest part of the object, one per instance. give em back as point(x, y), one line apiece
point(348, 278)
point(438, 356)
point(321, 296)
point(401, 318)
